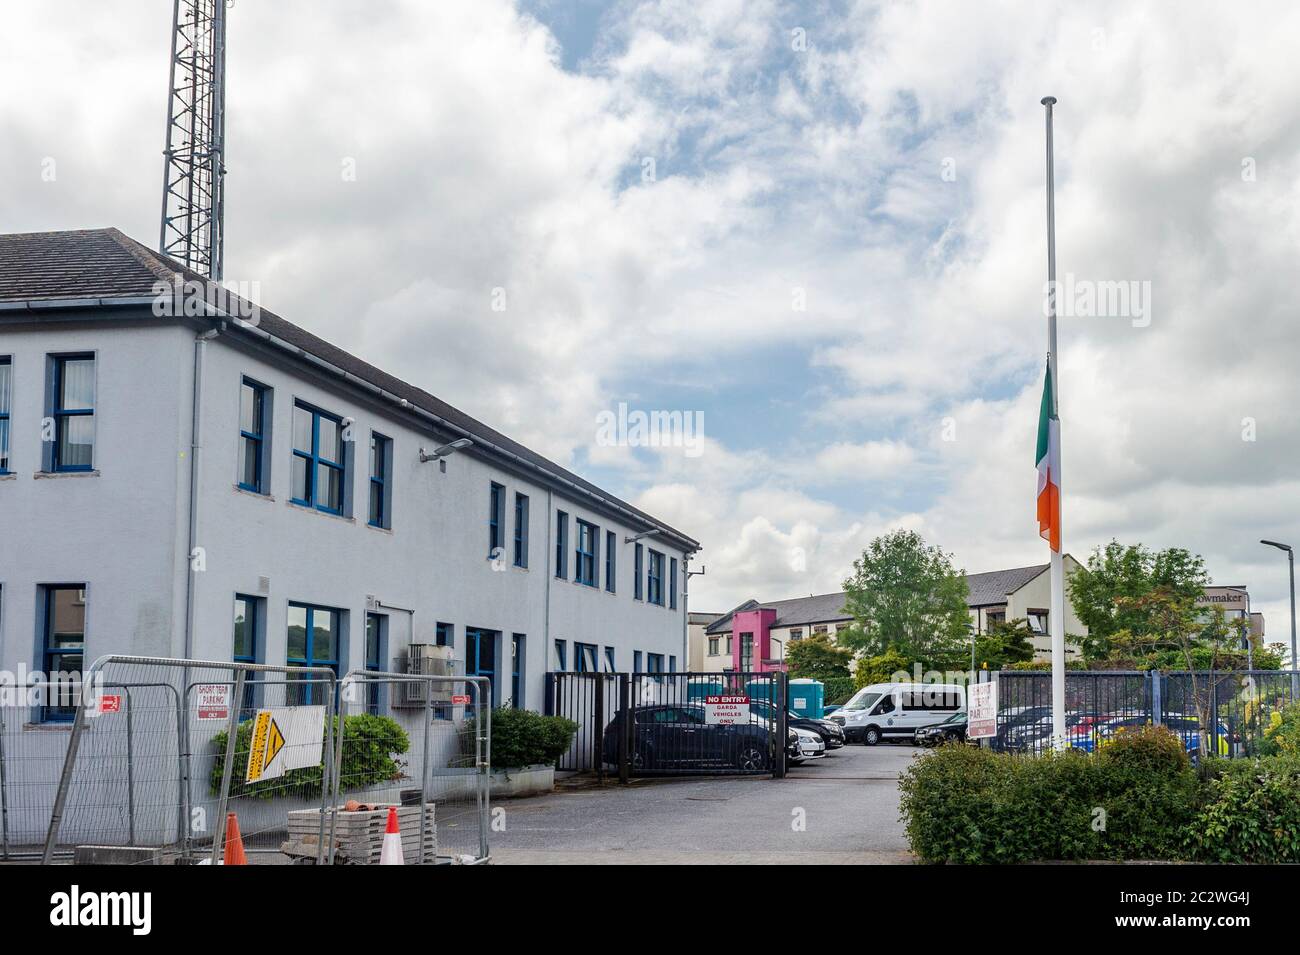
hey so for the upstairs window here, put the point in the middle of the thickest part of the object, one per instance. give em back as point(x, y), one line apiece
point(73, 410)
point(655, 579)
point(610, 568)
point(584, 571)
point(254, 427)
point(381, 460)
point(672, 584)
point(637, 562)
point(445, 634)
point(6, 376)
point(521, 530)
point(561, 545)
point(318, 459)
point(496, 520)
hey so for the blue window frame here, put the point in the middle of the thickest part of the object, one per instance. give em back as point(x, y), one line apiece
point(313, 639)
point(586, 657)
point(654, 663)
point(254, 428)
point(247, 645)
point(584, 560)
point(672, 664)
point(609, 661)
point(637, 561)
point(672, 584)
point(655, 579)
point(496, 520)
point(516, 669)
point(636, 661)
point(561, 656)
point(445, 634)
point(319, 459)
point(381, 488)
point(73, 410)
point(63, 648)
point(376, 652)
point(481, 657)
point(561, 545)
point(610, 568)
point(6, 379)
point(521, 530)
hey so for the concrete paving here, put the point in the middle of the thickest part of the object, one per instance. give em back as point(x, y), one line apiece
point(839, 810)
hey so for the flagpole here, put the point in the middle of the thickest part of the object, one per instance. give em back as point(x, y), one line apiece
point(1056, 611)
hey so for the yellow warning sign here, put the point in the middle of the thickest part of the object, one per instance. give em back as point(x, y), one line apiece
point(274, 740)
point(257, 758)
point(285, 738)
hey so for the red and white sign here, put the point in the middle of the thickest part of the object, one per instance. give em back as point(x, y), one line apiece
point(982, 710)
point(110, 704)
point(212, 701)
point(726, 710)
point(460, 700)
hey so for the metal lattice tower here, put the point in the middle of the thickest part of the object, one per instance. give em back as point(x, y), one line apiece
point(193, 168)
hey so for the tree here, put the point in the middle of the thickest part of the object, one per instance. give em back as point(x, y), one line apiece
point(907, 597)
point(881, 668)
point(1005, 643)
point(818, 658)
point(1106, 594)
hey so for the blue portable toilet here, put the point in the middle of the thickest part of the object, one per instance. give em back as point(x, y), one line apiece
point(807, 698)
point(761, 690)
point(699, 688)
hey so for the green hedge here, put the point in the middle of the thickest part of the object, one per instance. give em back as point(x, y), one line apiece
point(524, 738)
point(838, 689)
point(1250, 812)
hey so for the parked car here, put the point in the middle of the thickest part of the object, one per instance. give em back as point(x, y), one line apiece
point(677, 737)
point(886, 711)
point(806, 745)
point(1186, 727)
point(832, 734)
point(953, 729)
point(1034, 735)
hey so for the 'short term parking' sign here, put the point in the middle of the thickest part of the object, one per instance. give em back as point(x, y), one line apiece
point(982, 712)
point(726, 710)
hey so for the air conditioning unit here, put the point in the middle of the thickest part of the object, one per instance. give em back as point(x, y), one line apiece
point(428, 659)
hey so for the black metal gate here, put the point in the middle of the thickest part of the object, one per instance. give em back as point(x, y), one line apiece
point(673, 724)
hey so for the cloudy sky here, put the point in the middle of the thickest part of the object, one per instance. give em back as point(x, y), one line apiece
point(819, 226)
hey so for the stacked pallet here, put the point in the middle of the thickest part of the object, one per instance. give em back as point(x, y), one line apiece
point(359, 835)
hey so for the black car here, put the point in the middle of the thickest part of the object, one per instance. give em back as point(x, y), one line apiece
point(676, 737)
point(951, 730)
point(832, 734)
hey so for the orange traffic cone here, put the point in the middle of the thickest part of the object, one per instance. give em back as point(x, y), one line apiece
point(391, 851)
point(234, 842)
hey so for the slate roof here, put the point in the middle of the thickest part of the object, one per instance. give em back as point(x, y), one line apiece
point(985, 589)
point(95, 267)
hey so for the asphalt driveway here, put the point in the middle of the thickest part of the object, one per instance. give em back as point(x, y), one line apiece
point(840, 809)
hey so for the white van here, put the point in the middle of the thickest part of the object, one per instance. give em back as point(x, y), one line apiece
point(896, 710)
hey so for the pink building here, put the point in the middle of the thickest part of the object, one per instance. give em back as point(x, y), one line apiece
point(753, 650)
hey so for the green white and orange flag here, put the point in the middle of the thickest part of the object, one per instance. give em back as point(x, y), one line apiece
point(1049, 468)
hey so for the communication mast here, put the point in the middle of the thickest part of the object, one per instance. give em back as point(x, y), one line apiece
point(193, 162)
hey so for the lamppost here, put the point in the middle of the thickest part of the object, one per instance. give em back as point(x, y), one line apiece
point(1290, 557)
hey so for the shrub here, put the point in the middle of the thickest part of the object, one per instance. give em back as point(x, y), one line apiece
point(370, 744)
point(838, 689)
point(1146, 749)
point(1282, 733)
point(1250, 812)
point(525, 738)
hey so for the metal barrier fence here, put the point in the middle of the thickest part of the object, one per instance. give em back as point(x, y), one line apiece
point(1223, 713)
point(657, 724)
point(447, 763)
point(143, 760)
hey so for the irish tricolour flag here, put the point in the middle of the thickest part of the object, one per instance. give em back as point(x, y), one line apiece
point(1049, 467)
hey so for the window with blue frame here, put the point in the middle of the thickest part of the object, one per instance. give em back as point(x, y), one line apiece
point(313, 640)
point(6, 378)
point(654, 663)
point(496, 520)
point(481, 656)
point(254, 428)
point(561, 545)
point(561, 656)
point(63, 647)
point(610, 568)
point(381, 488)
point(248, 624)
point(376, 651)
point(521, 530)
point(609, 661)
point(636, 661)
point(585, 657)
point(655, 579)
point(672, 584)
point(516, 670)
point(319, 459)
point(445, 634)
point(73, 410)
point(584, 570)
point(672, 664)
point(636, 571)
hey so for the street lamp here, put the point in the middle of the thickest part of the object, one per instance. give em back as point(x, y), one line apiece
point(1290, 557)
point(437, 454)
point(636, 537)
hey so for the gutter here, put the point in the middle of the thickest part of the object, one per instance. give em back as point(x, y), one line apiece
point(196, 447)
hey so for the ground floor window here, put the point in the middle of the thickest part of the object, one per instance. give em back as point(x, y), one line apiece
point(584, 657)
point(654, 663)
point(63, 639)
point(247, 644)
point(376, 651)
point(516, 670)
point(313, 640)
point(481, 656)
